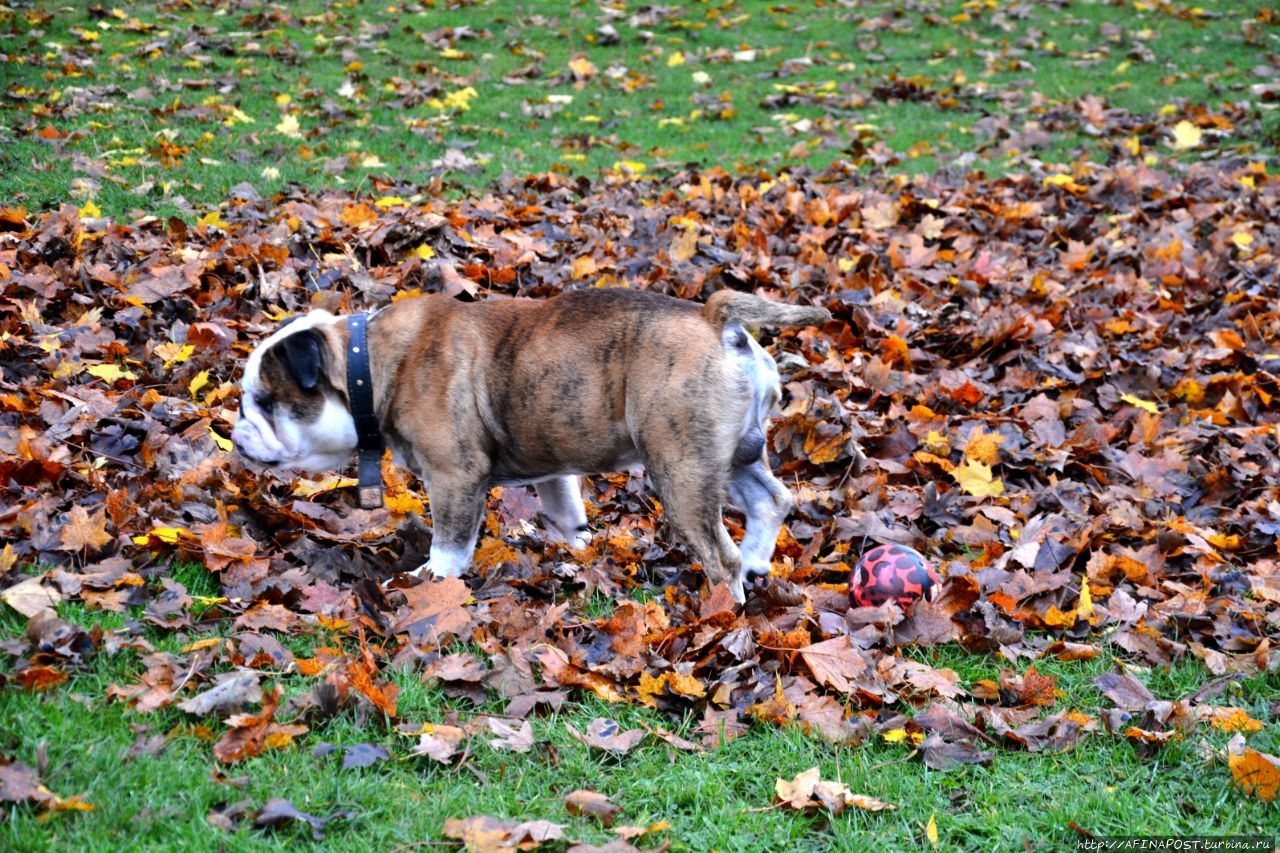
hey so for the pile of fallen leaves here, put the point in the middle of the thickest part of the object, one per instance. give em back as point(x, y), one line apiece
point(1060, 387)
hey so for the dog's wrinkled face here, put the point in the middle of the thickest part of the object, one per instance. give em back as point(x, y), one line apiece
point(292, 412)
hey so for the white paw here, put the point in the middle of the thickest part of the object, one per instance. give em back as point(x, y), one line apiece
point(446, 563)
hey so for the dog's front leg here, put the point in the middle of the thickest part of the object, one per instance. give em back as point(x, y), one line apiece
point(457, 506)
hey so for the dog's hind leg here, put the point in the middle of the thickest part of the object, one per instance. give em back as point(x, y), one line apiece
point(693, 508)
point(562, 504)
point(765, 502)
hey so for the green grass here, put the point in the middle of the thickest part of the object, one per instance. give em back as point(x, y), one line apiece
point(164, 108)
point(717, 800)
point(148, 109)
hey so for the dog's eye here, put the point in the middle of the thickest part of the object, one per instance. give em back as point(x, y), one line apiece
point(264, 402)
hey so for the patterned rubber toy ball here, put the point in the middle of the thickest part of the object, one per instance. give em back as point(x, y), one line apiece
point(892, 573)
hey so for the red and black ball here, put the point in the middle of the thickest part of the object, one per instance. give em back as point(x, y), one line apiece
point(892, 573)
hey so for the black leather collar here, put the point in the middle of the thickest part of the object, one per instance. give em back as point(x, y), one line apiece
point(360, 392)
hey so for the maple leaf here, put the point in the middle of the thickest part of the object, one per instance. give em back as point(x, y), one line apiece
point(1256, 773)
point(836, 663)
point(435, 608)
point(84, 532)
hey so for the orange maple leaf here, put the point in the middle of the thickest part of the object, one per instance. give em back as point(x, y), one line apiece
point(84, 532)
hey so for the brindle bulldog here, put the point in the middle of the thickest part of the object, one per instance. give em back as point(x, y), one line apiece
point(524, 391)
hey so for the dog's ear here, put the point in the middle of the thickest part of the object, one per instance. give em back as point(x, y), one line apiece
point(302, 352)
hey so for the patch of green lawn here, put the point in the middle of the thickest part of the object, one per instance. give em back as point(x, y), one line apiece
point(164, 108)
point(716, 800)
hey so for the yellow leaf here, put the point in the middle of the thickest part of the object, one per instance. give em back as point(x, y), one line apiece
point(405, 503)
point(1065, 182)
point(199, 381)
point(460, 100)
point(212, 218)
point(1145, 405)
point(582, 67)
point(207, 643)
point(279, 740)
point(238, 116)
point(931, 831)
point(371, 161)
point(632, 167)
point(584, 266)
point(675, 60)
point(1186, 136)
point(305, 488)
point(845, 264)
point(289, 127)
point(174, 353)
point(903, 736)
point(167, 535)
point(1243, 239)
point(984, 446)
point(976, 479)
point(89, 210)
point(684, 245)
point(937, 443)
point(224, 444)
point(389, 201)
point(1228, 719)
point(424, 251)
point(111, 373)
point(1085, 605)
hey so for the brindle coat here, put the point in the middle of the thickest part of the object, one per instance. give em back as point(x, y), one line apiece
point(471, 395)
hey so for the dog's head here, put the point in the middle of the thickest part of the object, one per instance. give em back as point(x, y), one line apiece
point(293, 402)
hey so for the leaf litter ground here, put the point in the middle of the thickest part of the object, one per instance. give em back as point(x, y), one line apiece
point(1061, 388)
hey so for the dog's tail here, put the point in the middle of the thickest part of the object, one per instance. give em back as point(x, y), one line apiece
point(727, 306)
